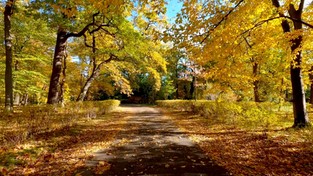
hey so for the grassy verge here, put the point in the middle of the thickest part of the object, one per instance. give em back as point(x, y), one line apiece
point(47, 140)
point(259, 144)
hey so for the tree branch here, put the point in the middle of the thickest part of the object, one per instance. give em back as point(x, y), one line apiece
point(85, 41)
point(220, 22)
point(247, 42)
point(274, 18)
point(301, 5)
point(112, 57)
point(260, 23)
point(81, 33)
point(85, 29)
point(100, 27)
point(303, 22)
point(276, 3)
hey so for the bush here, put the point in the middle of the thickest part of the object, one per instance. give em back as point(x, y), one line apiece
point(248, 114)
point(30, 120)
point(90, 109)
point(181, 105)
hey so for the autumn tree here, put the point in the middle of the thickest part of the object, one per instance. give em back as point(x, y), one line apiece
point(8, 12)
point(66, 17)
point(94, 60)
point(69, 17)
point(31, 43)
point(124, 43)
point(244, 44)
point(295, 14)
point(119, 58)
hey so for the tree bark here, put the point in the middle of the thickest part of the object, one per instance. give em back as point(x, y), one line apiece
point(8, 12)
point(59, 54)
point(311, 86)
point(24, 99)
point(255, 68)
point(301, 118)
point(192, 88)
point(62, 84)
point(17, 99)
point(95, 69)
point(87, 85)
point(256, 83)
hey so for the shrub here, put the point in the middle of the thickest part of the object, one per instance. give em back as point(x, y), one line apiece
point(247, 114)
point(30, 120)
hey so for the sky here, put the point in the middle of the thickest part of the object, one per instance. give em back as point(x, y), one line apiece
point(173, 7)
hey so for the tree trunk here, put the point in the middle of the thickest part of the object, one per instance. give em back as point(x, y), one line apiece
point(192, 88)
point(256, 83)
point(194, 85)
point(87, 85)
point(9, 56)
point(17, 99)
point(301, 118)
point(95, 69)
point(59, 54)
point(176, 81)
point(311, 87)
point(24, 100)
point(62, 84)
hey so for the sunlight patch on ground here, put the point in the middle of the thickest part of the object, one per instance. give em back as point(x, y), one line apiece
point(200, 138)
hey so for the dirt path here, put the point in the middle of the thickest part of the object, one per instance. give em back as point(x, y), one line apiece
point(152, 145)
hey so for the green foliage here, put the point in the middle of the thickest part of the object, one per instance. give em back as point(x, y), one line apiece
point(167, 89)
point(32, 41)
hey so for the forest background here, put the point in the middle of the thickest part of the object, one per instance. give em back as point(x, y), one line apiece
point(238, 72)
point(215, 50)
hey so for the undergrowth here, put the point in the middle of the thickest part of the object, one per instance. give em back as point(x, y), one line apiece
point(246, 138)
point(33, 136)
point(27, 121)
point(273, 119)
point(250, 115)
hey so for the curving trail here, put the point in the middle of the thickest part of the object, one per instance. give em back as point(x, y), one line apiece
point(152, 145)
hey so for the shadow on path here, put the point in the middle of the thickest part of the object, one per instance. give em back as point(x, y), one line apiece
point(152, 145)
